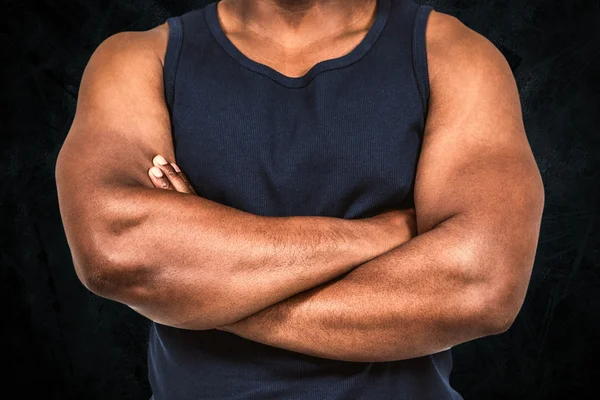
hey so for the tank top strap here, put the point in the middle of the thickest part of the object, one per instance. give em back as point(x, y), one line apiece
point(419, 51)
point(405, 39)
point(171, 58)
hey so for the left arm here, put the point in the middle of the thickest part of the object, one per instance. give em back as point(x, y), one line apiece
point(478, 200)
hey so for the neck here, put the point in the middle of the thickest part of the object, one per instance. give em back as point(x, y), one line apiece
point(292, 23)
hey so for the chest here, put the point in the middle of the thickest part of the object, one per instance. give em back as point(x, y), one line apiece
point(334, 150)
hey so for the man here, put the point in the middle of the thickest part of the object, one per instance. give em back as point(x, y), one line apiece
point(309, 199)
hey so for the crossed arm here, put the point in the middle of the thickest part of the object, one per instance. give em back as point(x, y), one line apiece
point(478, 201)
point(459, 279)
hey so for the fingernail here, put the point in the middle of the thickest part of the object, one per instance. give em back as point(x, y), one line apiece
point(160, 160)
point(175, 167)
point(156, 172)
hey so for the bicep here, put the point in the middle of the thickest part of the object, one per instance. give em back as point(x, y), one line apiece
point(475, 157)
point(121, 120)
point(476, 164)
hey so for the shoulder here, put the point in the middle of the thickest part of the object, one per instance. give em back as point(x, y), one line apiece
point(460, 56)
point(129, 58)
point(133, 47)
point(125, 68)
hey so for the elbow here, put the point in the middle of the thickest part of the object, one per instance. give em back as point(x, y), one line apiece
point(117, 276)
point(501, 305)
point(498, 321)
point(106, 272)
point(98, 275)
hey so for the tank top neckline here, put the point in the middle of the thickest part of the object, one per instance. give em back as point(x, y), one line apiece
point(381, 16)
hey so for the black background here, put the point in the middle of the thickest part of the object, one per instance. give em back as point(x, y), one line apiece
point(61, 340)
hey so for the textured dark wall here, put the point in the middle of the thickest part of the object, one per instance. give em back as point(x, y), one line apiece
point(60, 339)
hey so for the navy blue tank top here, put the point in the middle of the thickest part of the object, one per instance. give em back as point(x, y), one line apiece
point(341, 141)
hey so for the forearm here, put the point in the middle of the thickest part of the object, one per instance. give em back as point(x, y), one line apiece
point(422, 297)
point(190, 262)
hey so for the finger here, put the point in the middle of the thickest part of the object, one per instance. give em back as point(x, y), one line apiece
point(173, 176)
point(159, 179)
point(182, 175)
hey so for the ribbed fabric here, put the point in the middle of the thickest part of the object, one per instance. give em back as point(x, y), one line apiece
point(343, 141)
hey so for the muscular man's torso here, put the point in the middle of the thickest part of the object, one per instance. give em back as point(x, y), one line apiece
point(279, 132)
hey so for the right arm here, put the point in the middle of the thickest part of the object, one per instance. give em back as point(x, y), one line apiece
point(176, 258)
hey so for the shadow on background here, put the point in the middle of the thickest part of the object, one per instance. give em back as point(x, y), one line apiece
point(63, 341)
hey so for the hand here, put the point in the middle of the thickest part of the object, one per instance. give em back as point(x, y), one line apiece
point(165, 175)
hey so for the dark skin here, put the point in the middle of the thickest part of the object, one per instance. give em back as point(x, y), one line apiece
point(164, 253)
point(390, 293)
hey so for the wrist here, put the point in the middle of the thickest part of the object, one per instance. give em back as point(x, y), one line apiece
point(386, 234)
